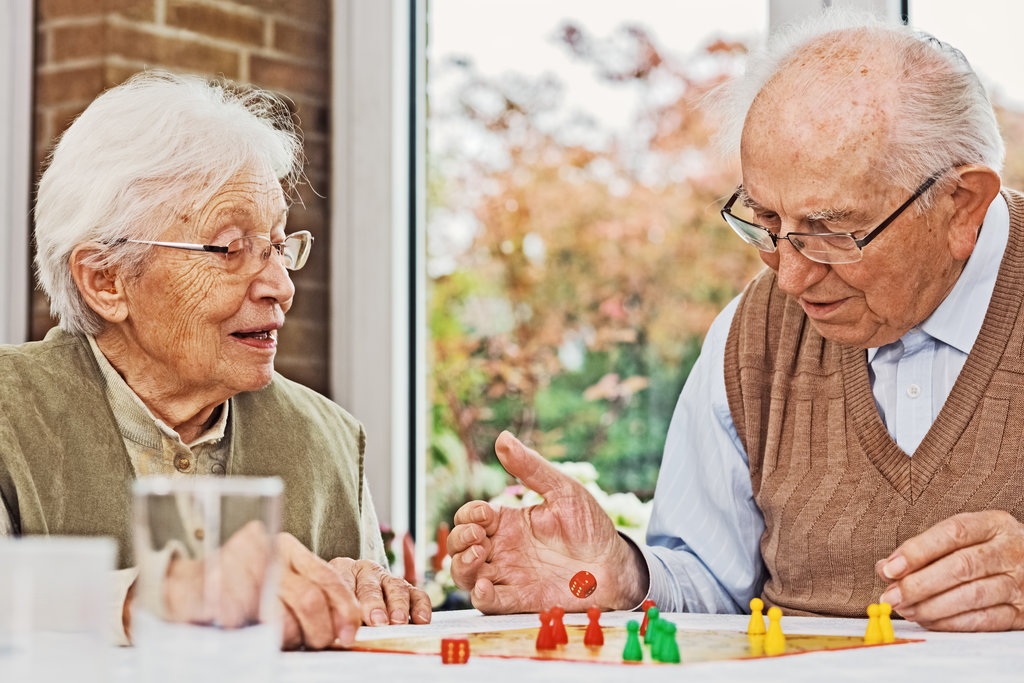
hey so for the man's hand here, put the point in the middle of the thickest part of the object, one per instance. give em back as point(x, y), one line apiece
point(521, 559)
point(383, 598)
point(966, 573)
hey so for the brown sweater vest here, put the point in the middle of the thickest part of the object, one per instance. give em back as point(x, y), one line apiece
point(836, 491)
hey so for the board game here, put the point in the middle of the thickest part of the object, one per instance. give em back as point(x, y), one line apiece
point(694, 646)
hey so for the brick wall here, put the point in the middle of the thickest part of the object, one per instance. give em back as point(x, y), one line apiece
point(86, 46)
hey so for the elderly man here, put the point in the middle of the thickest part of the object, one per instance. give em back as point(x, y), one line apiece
point(160, 226)
point(852, 429)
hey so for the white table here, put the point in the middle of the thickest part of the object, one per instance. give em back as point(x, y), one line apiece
point(942, 657)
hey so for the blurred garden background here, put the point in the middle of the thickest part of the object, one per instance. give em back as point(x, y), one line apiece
point(575, 251)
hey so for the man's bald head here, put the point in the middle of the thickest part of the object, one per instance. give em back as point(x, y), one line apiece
point(866, 83)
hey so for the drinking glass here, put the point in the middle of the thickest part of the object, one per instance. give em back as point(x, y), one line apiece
point(55, 604)
point(205, 602)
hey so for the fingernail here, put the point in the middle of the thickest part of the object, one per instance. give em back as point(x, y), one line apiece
point(421, 616)
point(378, 617)
point(479, 515)
point(892, 596)
point(399, 617)
point(895, 567)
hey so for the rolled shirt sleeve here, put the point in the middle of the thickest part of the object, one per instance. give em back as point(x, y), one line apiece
point(702, 550)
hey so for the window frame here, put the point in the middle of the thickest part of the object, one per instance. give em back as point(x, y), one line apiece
point(377, 324)
point(16, 132)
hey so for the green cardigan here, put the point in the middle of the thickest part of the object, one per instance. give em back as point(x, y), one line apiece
point(64, 469)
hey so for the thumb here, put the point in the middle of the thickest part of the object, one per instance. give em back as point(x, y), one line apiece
point(529, 466)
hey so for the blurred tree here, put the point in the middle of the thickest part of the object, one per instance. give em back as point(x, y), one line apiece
point(573, 315)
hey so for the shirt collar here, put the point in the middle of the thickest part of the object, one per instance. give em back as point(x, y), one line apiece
point(958, 319)
point(134, 420)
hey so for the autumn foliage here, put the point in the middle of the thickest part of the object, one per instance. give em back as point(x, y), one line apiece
point(575, 311)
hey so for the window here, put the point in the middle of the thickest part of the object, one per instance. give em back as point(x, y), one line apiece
point(575, 256)
point(989, 47)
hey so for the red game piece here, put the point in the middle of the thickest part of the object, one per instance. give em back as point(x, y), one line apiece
point(558, 633)
point(437, 562)
point(455, 650)
point(545, 638)
point(644, 606)
point(409, 558)
point(594, 636)
point(582, 584)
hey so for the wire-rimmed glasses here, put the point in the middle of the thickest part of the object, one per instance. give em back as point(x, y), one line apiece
point(248, 255)
point(823, 247)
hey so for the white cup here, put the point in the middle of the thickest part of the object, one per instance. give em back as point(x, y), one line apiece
point(205, 602)
point(55, 606)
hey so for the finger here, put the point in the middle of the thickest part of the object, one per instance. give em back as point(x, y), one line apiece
point(962, 567)
point(370, 595)
point(945, 537)
point(466, 567)
point(484, 597)
point(530, 467)
point(422, 612)
point(310, 608)
point(475, 513)
point(468, 537)
point(291, 633)
point(397, 598)
point(976, 595)
point(340, 597)
point(994, 618)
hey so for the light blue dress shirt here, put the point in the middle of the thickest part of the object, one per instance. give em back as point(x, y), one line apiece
point(703, 551)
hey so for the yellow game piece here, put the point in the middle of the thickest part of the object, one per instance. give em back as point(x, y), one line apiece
point(775, 639)
point(885, 622)
point(873, 636)
point(756, 626)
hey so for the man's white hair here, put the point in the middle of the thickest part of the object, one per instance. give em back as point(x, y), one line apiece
point(141, 157)
point(943, 118)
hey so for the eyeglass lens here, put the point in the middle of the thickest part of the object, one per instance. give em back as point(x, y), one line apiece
point(249, 254)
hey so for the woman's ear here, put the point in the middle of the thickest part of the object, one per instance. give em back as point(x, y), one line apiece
point(102, 288)
point(975, 190)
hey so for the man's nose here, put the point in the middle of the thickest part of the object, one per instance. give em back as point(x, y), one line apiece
point(795, 271)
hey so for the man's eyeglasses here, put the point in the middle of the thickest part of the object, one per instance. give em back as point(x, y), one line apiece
point(248, 255)
point(823, 247)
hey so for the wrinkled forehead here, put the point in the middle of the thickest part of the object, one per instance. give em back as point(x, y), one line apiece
point(830, 106)
point(253, 194)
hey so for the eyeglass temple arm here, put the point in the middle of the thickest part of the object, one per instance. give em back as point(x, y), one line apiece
point(864, 241)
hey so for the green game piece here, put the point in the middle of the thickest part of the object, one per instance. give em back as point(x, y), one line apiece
point(652, 620)
point(658, 644)
point(632, 652)
point(669, 646)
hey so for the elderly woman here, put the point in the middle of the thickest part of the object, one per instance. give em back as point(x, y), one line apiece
point(160, 227)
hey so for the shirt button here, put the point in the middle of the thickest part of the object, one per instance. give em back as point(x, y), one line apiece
point(182, 464)
point(913, 391)
point(200, 534)
point(217, 469)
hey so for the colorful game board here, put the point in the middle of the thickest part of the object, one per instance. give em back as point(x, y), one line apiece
point(694, 646)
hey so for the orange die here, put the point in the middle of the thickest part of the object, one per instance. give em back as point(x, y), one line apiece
point(455, 650)
point(582, 584)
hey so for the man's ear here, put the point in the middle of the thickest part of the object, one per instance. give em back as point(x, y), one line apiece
point(102, 288)
point(976, 188)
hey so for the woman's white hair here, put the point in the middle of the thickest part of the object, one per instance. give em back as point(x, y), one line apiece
point(139, 158)
point(944, 117)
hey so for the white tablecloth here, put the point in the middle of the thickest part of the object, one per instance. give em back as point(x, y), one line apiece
point(988, 657)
